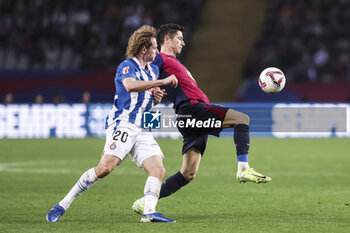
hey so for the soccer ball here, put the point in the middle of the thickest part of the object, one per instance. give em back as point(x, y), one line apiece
point(272, 80)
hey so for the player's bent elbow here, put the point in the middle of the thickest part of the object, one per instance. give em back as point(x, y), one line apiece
point(134, 88)
point(130, 85)
point(128, 88)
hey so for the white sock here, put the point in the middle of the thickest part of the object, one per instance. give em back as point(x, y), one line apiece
point(84, 183)
point(142, 199)
point(242, 166)
point(151, 192)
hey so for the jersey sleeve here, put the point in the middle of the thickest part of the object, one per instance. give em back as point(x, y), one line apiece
point(158, 61)
point(125, 70)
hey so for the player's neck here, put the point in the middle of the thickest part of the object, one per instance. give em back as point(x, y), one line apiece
point(141, 62)
point(167, 51)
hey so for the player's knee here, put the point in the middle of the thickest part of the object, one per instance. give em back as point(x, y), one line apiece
point(163, 172)
point(244, 119)
point(158, 171)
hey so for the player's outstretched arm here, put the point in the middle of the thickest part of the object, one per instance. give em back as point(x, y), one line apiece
point(132, 85)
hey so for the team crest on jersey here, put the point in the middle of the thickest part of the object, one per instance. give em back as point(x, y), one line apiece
point(125, 70)
point(113, 146)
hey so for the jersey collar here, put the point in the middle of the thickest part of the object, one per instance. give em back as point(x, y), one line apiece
point(140, 66)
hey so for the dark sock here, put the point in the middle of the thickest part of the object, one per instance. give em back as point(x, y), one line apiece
point(242, 141)
point(172, 184)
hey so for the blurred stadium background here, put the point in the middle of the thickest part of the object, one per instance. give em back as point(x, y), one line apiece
point(66, 52)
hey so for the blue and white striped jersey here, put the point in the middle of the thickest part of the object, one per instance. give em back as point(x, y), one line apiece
point(129, 106)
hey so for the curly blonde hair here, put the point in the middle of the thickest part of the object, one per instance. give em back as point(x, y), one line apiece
point(139, 39)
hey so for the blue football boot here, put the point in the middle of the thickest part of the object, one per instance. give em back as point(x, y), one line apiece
point(55, 213)
point(155, 217)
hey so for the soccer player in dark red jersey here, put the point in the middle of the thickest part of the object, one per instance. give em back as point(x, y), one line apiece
point(190, 100)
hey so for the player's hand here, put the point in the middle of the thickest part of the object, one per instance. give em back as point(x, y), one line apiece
point(158, 94)
point(171, 80)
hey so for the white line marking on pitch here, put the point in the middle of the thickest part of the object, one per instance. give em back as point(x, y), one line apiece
point(27, 167)
point(24, 167)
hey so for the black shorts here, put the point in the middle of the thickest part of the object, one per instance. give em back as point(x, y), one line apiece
point(199, 120)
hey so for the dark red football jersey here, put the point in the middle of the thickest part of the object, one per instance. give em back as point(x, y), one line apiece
point(187, 90)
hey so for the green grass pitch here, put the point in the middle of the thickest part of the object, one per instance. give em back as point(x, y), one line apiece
point(309, 191)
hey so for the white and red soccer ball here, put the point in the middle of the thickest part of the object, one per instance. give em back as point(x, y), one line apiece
point(272, 80)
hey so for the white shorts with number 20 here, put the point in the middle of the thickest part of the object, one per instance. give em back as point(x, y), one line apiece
point(126, 139)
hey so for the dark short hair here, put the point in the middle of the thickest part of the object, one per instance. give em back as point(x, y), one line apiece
point(169, 29)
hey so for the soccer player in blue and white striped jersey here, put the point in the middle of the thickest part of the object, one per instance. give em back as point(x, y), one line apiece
point(137, 88)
